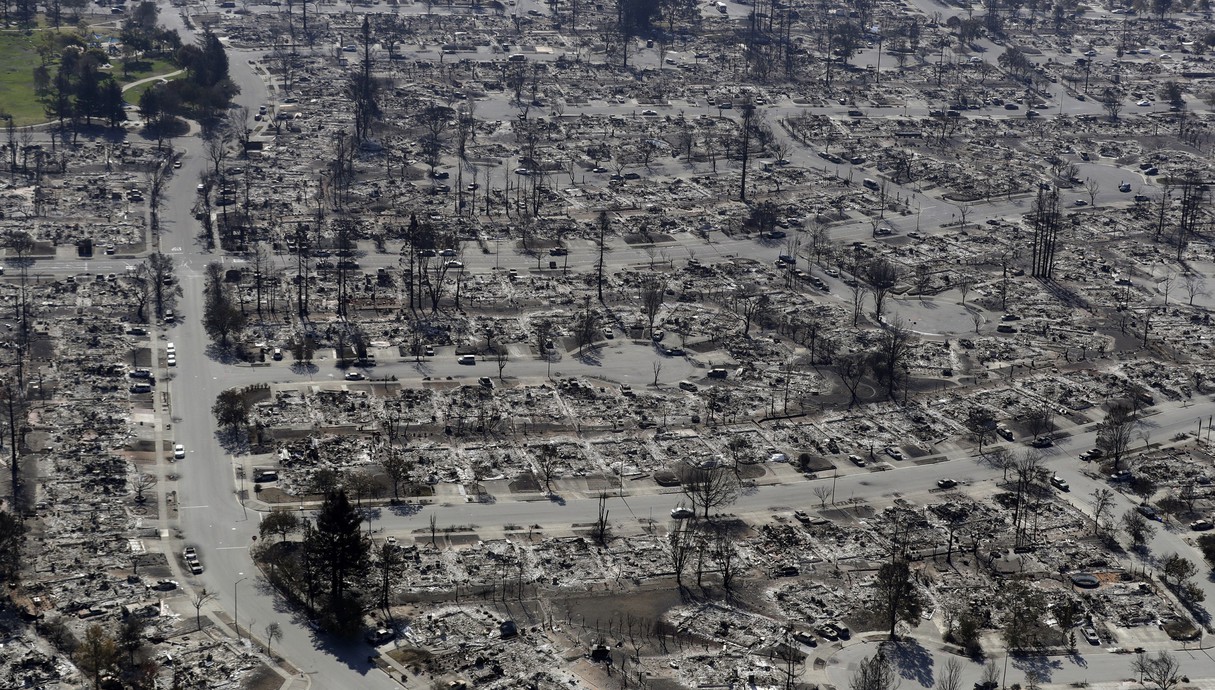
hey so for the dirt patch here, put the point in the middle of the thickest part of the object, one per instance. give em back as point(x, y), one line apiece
point(262, 678)
point(815, 463)
point(751, 471)
point(409, 655)
point(647, 604)
point(525, 483)
point(666, 478)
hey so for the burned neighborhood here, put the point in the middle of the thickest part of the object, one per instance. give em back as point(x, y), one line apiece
point(642, 343)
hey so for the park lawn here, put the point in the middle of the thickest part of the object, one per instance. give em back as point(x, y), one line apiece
point(132, 94)
point(18, 57)
point(142, 69)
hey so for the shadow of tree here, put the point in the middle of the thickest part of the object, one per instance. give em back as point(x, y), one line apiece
point(1040, 665)
point(910, 659)
point(234, 441)
point(222, 354)
point(302, 368)
point(404, 509)
point(590, 357)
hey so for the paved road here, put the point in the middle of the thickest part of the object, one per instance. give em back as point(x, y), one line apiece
point(211, 515)
point(921, 665)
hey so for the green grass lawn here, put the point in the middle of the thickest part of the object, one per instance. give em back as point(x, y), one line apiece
point(132, 94)
point(141, 69)
point(18, 57)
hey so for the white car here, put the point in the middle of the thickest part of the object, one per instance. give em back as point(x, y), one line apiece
point(171, 360)
point(170, 348)
point(1144, 103)
point(179, 451)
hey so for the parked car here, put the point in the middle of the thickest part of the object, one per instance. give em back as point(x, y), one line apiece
point(355, 376)
point(379, 636)
point(805, 638)
point(856, 460)
point(1058, 482)
point(682, 513)
point(894, 453)
point(179, 451)
point(1201, 525)
point(946, 483)
point(801, 516)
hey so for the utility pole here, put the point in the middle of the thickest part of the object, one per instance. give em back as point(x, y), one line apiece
point(236, 606)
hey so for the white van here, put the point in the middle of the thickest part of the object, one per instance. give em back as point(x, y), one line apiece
point(467, 359)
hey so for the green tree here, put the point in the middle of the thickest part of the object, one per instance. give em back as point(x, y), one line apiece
point(222, 319)
point(88, 94)
point(231, 410)
point(281, 522)
point(389, 566)
point(897, 598)
point(111, 105)
point(338, 554)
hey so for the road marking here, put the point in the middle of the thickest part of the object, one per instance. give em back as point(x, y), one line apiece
point(185, 507)
point(229, 548)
